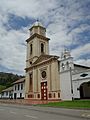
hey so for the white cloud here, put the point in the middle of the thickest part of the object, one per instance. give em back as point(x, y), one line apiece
point(60, 17)
point(13, 53)
point(30, 8)
point(81, 50)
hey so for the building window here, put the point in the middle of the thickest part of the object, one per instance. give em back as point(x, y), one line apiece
point(67, 65)
point(31, 82)
point(58, 65)
point(42, 48)
point(38, 95)
point(58, 95)
point(30, 96)
point(6, 93)
point(30, 63)
point(50, 95)
point(2, 93)
point(43, 74)
point(15, 87)
point(54, 95)
point(31, 48)
point(21, 86)
point(18, 86)
point(20, 95)
point(63, 66)
point(15, 95)
point(10, 95)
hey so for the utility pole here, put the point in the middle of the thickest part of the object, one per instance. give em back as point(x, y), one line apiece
point(71, 82)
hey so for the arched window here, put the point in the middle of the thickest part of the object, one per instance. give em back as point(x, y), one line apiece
point(42, 48)
point(67, 63)
point(31, 82)
point(63, 66)
point(30, 48)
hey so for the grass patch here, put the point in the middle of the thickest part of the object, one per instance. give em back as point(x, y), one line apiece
point(70, 104)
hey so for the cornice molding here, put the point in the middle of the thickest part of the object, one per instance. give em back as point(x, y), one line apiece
point(41, 63)
point(38, 36)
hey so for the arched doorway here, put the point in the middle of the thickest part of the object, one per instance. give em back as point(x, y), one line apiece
point(85, 90)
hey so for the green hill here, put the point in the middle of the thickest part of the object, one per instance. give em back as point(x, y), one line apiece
point(6, 79)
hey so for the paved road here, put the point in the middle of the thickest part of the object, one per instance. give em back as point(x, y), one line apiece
point(21, 112)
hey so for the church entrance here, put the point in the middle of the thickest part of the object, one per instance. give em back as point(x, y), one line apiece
point(85, 90)
point(44, 90)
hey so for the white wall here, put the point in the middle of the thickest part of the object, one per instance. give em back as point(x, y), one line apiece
point(19, 91)
point(65, 86)
point(6, 94)
point(78, 80)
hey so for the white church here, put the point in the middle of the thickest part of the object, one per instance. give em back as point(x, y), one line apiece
point(50, 77)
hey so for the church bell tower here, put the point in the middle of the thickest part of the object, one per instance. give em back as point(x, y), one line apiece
point(37, 43)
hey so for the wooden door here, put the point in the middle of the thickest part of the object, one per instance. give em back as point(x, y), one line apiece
point(43, 90)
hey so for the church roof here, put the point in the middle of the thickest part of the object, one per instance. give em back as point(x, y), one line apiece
point(36, 24)
point(82, 66)
point(42, 58)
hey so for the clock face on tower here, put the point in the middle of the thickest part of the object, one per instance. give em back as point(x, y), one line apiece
point(43, 74)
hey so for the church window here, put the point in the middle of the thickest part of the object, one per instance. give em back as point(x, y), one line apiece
point(38, 95)
point(63, 66)
point(31, 82)
point(42, 48)
point(50, 95)
point(67, 65)
point(54, 95)
point(30, 63)
point(58, 65)
point(43, 74)
point(30, 48)
point(58, 95)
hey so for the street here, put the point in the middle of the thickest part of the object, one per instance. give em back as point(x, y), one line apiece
point(23, 112)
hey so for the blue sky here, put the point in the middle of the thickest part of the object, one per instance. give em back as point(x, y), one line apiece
point(67, 23)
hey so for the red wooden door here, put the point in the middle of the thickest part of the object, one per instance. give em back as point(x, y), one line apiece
point(43, 90)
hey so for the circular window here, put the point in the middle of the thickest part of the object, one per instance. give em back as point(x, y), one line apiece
point(43, 74)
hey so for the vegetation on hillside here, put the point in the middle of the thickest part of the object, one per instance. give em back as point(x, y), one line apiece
point(6, 79)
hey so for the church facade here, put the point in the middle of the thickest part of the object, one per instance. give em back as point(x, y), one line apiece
point(42, 70)
point(49, 77)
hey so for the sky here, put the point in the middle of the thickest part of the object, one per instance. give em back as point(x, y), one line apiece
point(67, 23)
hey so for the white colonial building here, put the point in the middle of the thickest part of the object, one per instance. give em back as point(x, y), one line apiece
point(19, 89)
point(81, 84)
point(7, 93)
point(74, 79)
point(16, 91)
